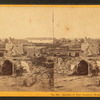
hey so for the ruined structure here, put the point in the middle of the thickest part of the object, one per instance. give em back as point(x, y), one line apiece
point(14, 47)
point(76, 66)
point(90, 47)
point(9, 66)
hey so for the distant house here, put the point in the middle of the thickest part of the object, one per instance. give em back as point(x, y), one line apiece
point(73, 47)
point(60, 51)
point(33, 51)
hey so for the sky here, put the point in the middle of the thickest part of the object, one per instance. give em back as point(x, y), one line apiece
point(77, 22)
point(23, 22)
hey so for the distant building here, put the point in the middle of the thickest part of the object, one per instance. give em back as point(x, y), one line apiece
point(32, 51)
point(70, 47)
point(40, 40)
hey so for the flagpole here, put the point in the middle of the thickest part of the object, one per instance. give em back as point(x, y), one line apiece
point(53, 24)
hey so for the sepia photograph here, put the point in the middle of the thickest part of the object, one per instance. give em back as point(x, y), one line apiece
point(25, 38)
point(50, 49)
point(77, 49)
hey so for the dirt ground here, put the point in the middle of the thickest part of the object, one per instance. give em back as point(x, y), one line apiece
point(66, 83)
point(62, 83)
point(9, 83)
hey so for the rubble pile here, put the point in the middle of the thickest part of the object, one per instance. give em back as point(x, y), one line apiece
point(38, 73)
point(64, 66)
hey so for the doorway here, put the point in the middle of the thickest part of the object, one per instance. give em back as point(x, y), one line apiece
point(83, 68)
point(7, 68)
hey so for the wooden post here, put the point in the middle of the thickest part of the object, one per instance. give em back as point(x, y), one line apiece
point(89, 71)
point(13, 69)
point(1, 69)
